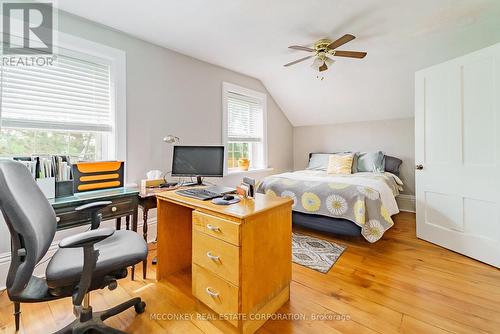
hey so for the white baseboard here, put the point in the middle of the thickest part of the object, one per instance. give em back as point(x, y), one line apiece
point(40, 270)
point(406, 203)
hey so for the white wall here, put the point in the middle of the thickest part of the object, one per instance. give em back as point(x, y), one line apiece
point(394, 137)
point(170, 93)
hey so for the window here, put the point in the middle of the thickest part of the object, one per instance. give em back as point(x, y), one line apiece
point(81, 145)
point(244, 131)
point(69, 108)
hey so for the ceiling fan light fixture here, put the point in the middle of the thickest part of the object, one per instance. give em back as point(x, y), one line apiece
point(317, 63)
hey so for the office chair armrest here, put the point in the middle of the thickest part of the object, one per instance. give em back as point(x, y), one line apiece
point(87, 238)
point(93, 210)
point(87, 241)
point(93, 207)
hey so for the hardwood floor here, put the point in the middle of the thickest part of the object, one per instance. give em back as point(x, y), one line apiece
point(397, 285)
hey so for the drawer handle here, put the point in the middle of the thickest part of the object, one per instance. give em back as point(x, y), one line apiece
point(113, 209)
point(212, 293)
point(213, 228)
point(213, 257)
point(58, 219)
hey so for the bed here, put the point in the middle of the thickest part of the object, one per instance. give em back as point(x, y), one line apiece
point(356, 204)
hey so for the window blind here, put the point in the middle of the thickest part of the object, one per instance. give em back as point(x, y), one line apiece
point(72, 94)
point(244, 118)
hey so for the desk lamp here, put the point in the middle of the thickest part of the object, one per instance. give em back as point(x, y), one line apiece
point(171, 139)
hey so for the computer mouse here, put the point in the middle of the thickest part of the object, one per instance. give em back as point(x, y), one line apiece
point(228, 197)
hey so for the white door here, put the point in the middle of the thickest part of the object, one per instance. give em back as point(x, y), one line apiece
point(457, 151)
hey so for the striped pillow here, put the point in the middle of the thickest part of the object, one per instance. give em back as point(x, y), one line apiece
point(340, 164)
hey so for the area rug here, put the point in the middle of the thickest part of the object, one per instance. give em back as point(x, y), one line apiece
point(315, 253)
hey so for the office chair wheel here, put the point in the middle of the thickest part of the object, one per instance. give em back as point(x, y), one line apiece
point(140, 307)
point(112, 286)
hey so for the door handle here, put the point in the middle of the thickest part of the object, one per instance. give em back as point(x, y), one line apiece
point(419, 167)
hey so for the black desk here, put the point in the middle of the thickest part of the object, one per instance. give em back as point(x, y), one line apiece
point(147, 201)
point(125, 203)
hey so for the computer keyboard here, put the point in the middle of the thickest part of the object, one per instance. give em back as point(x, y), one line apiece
point(198, 193)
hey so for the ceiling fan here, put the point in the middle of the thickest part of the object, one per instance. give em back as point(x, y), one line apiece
point(325, 48)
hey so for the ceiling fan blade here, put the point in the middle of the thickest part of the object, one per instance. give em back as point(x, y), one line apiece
point(301, 48)
point(341, 41)
point(350, 54)
point(323, 67)
point(298, 61)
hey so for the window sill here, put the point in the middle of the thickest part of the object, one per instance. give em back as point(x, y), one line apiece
point(248, 172)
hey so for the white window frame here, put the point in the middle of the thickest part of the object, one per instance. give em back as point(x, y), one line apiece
point(262, 97)
point(116, 149)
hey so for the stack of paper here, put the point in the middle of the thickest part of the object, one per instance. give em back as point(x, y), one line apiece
point(40, 167)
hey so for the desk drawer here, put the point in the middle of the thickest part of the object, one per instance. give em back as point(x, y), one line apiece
point(219, 295)
point(119, 208)
point(217, 227)
point(217, 256)
point(67, 216)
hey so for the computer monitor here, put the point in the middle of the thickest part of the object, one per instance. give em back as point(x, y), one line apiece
point(199, 161)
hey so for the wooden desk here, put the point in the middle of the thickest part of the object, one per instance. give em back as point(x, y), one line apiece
point(240, 255)
point(124, 204)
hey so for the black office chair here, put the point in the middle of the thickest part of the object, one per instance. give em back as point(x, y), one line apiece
point(86, 261)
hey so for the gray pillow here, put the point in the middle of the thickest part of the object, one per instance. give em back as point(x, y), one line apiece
point(392, 164)
point(369, 161)
point(319, 161)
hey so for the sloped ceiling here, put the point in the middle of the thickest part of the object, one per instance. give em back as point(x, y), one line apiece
point(252, 36)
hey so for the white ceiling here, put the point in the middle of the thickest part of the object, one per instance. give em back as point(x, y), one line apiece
point(252, 36)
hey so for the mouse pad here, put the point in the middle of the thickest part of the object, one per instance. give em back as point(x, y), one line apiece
point(220, 201)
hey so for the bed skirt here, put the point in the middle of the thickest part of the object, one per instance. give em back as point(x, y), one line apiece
point(337, 226)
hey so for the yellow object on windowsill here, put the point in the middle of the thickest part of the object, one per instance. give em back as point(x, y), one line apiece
point(243, 164)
